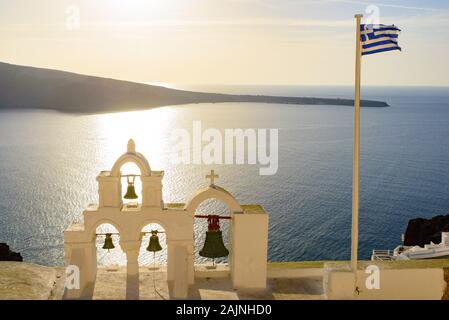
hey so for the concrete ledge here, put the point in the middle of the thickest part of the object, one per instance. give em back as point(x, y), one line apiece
point(399, 280)
point(281, 273)
point(204, 271)
point(297, 264)
point(338, 284)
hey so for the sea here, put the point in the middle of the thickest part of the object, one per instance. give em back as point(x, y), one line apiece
point(49, 161)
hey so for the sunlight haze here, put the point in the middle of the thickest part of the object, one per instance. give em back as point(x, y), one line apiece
point(224, 41)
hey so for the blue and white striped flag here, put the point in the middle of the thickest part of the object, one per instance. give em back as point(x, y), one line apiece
point(378, 38)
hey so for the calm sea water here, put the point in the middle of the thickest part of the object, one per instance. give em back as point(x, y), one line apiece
point(49, 161)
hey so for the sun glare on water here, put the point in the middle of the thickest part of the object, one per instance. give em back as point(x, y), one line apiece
point(149, 129)
point(142, 8)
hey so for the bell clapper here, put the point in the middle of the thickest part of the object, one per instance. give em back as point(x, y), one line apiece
point(154, 272)
point(154, 260)
point(213, 264)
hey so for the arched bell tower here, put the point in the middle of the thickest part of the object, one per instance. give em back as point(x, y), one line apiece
point(248, 257)
point(110, 183)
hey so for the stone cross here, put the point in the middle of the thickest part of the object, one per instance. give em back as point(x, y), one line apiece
point(212, 177)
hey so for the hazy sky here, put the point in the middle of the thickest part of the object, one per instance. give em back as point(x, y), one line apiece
point(225, 41)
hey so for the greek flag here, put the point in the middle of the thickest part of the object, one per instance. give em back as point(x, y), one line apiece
point(378, 38)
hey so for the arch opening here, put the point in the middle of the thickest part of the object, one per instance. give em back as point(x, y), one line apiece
point(109, 262)
point(112, 258)
point(152, 259)
point(136, 158)
point(215, 192)
point(131, 173)
point(153, 279)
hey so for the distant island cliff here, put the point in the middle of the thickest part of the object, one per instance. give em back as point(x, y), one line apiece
point(23, 87)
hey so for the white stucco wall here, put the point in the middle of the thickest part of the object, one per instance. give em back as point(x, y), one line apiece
point(249, 250)
point(395, 284)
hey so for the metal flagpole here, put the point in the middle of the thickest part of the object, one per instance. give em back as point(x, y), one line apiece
point(355, 168)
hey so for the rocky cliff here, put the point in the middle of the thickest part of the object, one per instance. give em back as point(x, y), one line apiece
point(7, 255)
point(422, 231)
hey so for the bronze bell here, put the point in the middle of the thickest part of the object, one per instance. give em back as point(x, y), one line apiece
point(130, 192)
point(108, 244)
point(154, 244)
point(213, 245)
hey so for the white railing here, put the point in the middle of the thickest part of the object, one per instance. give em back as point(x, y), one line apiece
point(382, 255)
